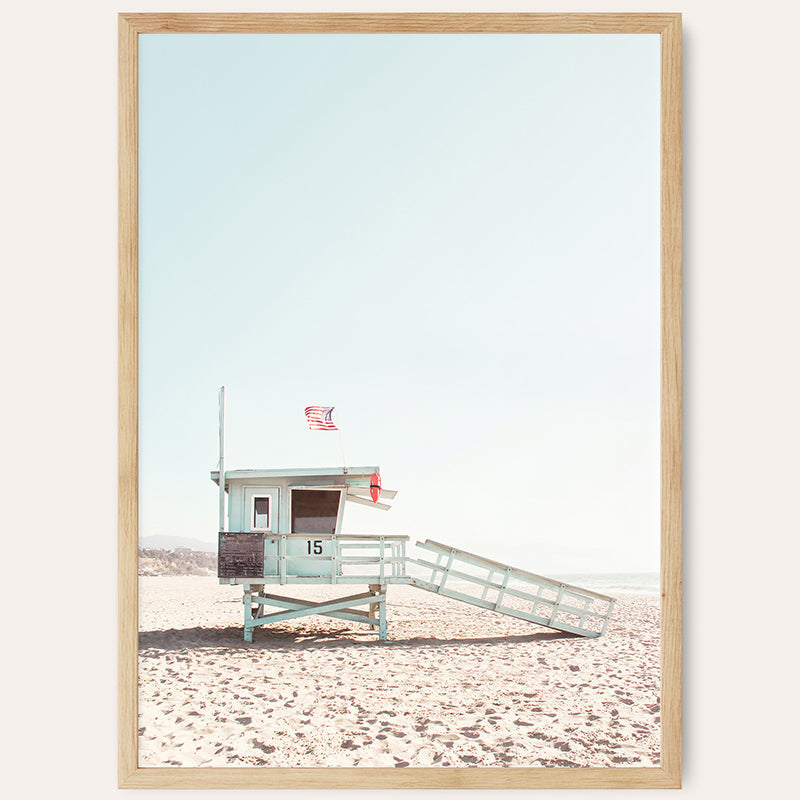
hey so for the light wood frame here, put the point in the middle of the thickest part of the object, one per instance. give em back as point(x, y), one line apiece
point(668, 775)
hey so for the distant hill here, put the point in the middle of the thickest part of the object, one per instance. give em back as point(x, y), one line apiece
point(164, 542)
point(181, 561)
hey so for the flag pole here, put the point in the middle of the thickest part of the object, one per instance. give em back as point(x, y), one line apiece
point(341, 440)
point(341, 443)
point(222, 459)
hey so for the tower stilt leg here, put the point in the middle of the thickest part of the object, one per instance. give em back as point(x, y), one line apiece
point(382, 616)
point(248, 614)
point(378, 610)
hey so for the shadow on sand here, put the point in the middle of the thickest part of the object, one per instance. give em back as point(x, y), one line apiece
point(278, 639)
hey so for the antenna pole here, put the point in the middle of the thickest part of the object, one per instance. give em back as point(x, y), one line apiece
point(222, 459)
point(341, 440)
point(344, 460)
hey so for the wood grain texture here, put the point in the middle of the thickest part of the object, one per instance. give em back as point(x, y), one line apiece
point(668, 26)
point(127, 386)
point(399, 23)
point(389, 778)
point(671, 469)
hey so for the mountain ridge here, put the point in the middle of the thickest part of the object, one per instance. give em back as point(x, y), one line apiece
point(166, 542)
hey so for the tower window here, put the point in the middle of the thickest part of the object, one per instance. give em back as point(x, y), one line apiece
point(259, 520)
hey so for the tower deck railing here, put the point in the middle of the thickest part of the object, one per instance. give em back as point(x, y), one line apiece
point(331, 558)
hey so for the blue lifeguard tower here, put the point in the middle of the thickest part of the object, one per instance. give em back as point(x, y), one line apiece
point(283, 526)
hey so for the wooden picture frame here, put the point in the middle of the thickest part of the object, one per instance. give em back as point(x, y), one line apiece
point(668, 775)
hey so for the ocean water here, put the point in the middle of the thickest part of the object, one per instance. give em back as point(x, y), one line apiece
point(610, 582)
point(604, 583)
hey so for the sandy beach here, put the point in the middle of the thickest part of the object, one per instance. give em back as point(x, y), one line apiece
point(455, 686)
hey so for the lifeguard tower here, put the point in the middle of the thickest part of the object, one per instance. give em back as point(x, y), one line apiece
point(284, 527)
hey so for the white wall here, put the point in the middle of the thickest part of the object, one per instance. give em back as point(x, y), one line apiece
point(57, 321)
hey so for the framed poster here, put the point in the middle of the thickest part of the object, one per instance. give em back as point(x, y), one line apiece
point(463, 234)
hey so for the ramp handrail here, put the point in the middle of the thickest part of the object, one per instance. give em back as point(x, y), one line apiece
point(568, 608)
point(438, 547)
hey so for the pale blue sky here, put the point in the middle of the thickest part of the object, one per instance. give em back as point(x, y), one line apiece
point(452, 239)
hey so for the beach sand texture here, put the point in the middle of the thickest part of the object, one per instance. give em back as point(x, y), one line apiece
point(455, 686)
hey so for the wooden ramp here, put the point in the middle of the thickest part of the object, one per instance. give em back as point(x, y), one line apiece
point(506, 590)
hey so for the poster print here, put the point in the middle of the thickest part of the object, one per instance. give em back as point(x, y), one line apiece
point(453, 243)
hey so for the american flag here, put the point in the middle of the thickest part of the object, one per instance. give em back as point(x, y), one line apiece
point(319, 418)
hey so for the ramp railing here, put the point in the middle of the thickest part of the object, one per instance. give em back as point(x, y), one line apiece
point(498, 587)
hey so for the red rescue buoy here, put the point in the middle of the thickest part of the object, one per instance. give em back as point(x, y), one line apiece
point(375, 486)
